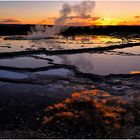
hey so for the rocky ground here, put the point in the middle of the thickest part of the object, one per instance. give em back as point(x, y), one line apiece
point(75, 106)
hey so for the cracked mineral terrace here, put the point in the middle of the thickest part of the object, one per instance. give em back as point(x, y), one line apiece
point(77, 92)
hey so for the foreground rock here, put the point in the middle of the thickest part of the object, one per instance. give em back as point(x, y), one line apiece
point(71, 107)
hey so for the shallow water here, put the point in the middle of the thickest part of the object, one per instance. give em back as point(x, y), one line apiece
point(56, 72)
point(118, 61)
point(24, 62)
point(133, 50)
point(58, 44)
point(15, 45)
point(12, 75)
point(101, 64)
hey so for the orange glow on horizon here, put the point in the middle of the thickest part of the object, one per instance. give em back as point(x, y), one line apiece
point(108, 21)
point(80, 22)
point(105, 13)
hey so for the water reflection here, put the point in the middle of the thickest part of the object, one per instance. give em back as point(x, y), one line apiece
point(24, 62)
point(76, 42)
point(59, 43)
point(94, 113)
point(12, 75)
point(134, 50)
point(101, 64)
point(14, 45)
point(97, 39)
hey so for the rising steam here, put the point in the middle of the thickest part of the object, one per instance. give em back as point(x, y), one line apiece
point(80, 10)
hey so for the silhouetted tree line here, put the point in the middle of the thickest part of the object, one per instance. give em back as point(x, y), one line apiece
point(101, 30)
point(23, 29)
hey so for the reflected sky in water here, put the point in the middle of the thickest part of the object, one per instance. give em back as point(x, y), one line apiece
point(102, 64)
point(14, 45)
point(133, 50)
point(24, 62)
point(60, 43)
point(12, 75)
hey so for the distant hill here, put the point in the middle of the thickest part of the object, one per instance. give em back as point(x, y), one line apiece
point(22, 29)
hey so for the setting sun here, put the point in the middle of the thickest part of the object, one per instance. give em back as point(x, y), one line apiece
point(70, 69)
point(39, 12)
point(108, 21)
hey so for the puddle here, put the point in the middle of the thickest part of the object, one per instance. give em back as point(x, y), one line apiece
point(12, 75)
point(101, 64)
point(14, 45)
point(56, 72)
point(24, 62)
point(60, 43)
point(78, 42)
point(133, 50)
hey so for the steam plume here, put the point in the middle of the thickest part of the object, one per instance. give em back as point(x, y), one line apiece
point(81, 10)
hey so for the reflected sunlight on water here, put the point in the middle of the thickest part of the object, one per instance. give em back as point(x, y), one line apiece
point(60, 42)
point(97, 63)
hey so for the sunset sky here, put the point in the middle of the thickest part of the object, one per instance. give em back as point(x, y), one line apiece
point(105, 12)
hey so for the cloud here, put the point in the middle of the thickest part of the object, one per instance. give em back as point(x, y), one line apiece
point(9, 20)
point(43, 21)
point(79, 17)
point(49, 20)
point(52, 18)
point(95, 18)
point(137, 16)
point(80, 23)
point(128, 22)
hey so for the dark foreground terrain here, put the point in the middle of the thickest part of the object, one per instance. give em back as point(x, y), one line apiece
point(66, 103)
point(47, 93)
point(70, 107)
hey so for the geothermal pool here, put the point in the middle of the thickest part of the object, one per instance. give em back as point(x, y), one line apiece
point(11, 45)
point(101, 64)
point(116, 61)
point(41, 88)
